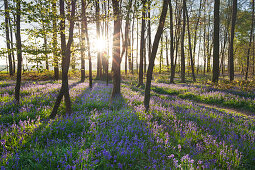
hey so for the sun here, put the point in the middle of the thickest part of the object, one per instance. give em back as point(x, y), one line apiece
point(100, 44)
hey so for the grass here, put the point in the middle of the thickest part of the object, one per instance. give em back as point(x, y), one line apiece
point(101, 134)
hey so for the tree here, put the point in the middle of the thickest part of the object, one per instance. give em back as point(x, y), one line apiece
point(171, 43)
point(83, 25)
point(116, 58)
point(66, 53)
point(182, 43)
point(54, 39)
point(153, 54)
point(140, 80)
point(231, 44)
point(216, 43)
point(88, 44)
point(190, 47)
point(19, 51)
point(7, 18)
point(251, 35)
point(99, 60)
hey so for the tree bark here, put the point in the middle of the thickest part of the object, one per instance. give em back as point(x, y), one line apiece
point(66, 53)
point(182, 44)
point(55, 43)
point(99, 60)
point(216, 43)
point(83, 25)
point(190, 48)
point(7, 33)
point(249, 49)
point(231, 49)
point(171, 43)
point(153, 54)
point(19, 52)
point(116, 59)
point(140, 81)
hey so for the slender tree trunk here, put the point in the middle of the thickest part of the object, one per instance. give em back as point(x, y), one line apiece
point(45, 48)
point(196, 28)
point(83, 32)
point(182, 44)
point(99, 60)
point(167, 61)
point(137, 42)
point(171, 43)
point(55, 42)
point(116, 59)
point(88, 45)
point(66, 53)
point(216, 43)
point(249, 49)
point(149, 29)
point(190, 48)
point(153, 54)
point(12, 49)
point(208, 46)
point(7, 33)
point(161, 55)
point(132, 44)
point(19, 52)
point(140, 81)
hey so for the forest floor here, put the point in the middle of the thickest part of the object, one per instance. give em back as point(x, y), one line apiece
point(188, 126)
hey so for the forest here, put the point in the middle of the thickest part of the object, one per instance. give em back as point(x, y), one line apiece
point(127, 84)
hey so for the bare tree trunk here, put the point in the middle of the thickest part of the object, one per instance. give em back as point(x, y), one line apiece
point(19, 52)
point(55, 43)
point(153, 54)
point(66, 53)
point(182, 44)
point(149, 29)
point(88, 44)
point(216, 44)
point(12, 49)
point(172, 43)
point(45, 48)
point(132, 44)
point(7, 33)
point(167, 61)
point(248, 54)
point(140, 81)
point(99, 60)
point(137, 42)
point(196, 28)
point(116, 59)
point(83, 32)
point(161, 55)
point(190, 48)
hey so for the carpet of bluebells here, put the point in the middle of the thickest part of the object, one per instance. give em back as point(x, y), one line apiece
point(174, 134)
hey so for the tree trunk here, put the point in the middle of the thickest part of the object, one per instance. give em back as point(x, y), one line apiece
point(83, 32)
point(190, 48)
point(149, 29)
point(167, 61)
point(153, 54)
point(12, 49)
point(66, 53)
point(116, 59)
point(171, 43)
point(182, 44)
point(55, 42)
point(19, 52)
point(161, 55)
point(140, 81)
point(99, 60)
point(7, 33)
point(216, 43)
point(249, 49)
